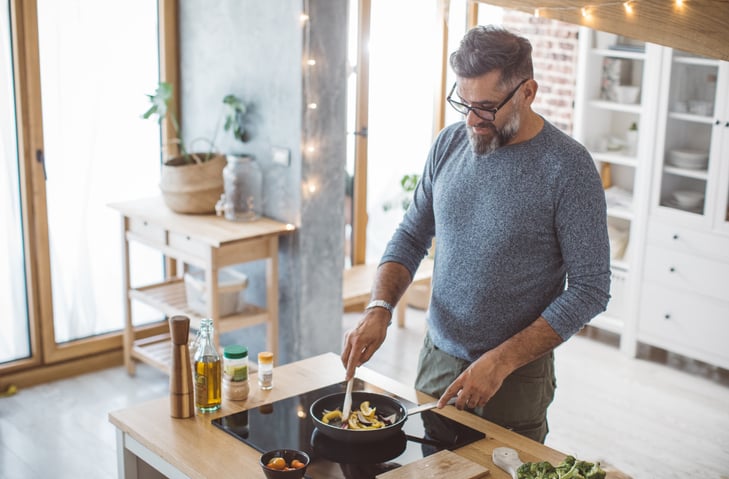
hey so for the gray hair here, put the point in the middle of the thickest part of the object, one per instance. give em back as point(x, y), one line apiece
point(489, 48)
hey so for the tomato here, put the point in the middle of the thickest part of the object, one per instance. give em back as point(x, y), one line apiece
point(277, 463)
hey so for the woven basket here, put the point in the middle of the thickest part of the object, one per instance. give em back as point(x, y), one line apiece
point(192, 188)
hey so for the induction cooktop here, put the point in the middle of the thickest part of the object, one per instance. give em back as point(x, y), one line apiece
point(286, 424)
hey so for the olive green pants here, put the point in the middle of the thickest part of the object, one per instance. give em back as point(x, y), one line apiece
point(521, 402)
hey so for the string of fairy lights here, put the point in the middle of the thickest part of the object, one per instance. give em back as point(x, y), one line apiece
point(588, 11)
point(311, 185)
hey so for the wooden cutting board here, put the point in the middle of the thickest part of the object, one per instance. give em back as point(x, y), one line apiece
point(437, 466)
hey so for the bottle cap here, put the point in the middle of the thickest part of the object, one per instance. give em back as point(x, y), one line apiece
point(235, 351)
point(265, 357)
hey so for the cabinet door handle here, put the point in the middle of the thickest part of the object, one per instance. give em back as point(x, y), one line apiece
point(726, 124)
point(672, 269)
point(675, 237)
point(666, 316)
point(717, 122)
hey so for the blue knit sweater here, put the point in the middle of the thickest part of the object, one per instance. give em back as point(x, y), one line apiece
point(511, 227)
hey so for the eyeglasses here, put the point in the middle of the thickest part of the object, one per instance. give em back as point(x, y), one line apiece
point(488, 114)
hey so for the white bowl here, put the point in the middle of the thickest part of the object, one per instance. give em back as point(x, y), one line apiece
point(688, 158)
point(688, 198)
point(629, 94)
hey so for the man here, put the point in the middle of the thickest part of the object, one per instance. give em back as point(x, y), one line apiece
point(522, 258)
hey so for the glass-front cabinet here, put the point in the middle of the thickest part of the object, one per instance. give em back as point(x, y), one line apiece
point(692, 141)
point(684, 299)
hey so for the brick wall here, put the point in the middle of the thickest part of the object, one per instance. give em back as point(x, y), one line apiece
point(554, 46)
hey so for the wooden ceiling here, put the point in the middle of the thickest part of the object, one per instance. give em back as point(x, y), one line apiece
point(697, 26)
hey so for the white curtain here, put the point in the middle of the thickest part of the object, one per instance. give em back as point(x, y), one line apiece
point(98, 60)
point(404, 69)
point(14, 342)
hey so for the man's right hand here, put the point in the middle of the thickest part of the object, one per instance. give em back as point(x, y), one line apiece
point(361, 342)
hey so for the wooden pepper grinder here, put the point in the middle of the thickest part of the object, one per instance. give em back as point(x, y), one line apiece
point(182, 399)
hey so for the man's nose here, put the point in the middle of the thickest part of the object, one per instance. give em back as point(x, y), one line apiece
point(472, 119)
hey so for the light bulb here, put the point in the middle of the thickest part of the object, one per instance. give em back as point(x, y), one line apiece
point(628, 7)
point(311, 106)
point(304, 18)
point(536, 12)
point(311, 62)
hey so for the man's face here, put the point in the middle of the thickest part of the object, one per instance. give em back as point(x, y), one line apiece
point(484, 91)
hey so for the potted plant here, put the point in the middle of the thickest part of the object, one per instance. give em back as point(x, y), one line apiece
point(192, 181)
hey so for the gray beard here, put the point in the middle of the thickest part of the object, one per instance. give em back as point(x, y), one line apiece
point(487, 144)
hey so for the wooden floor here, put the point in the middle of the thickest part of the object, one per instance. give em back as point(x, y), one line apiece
point(658, 417)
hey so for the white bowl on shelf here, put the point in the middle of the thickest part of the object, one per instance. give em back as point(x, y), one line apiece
point(688, 198)
point(688, 158)
point(628, 94)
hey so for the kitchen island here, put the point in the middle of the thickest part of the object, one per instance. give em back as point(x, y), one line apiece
point(152, 444)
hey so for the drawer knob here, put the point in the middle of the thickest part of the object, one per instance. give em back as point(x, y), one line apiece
point(717, 122)
point(675, 237)
point(672, 269)
point(666, 316)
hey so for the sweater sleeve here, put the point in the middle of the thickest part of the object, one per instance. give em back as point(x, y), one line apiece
point(581, 228)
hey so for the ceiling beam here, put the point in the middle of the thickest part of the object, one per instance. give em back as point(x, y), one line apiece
point(697, 26)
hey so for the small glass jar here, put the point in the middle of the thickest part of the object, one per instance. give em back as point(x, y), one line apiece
point(235, 373)
point(265, 370)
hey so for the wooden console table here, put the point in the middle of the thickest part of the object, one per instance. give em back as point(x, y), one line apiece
point(205, 241)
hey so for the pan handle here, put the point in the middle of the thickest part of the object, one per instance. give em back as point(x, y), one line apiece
point(428, 406)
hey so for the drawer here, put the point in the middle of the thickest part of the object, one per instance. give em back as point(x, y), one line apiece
point(689, 272)
point(685, 323)
point(145, 230)
point(688, 241)
point(187, 244)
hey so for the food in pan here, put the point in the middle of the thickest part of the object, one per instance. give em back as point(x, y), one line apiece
point(364, 418)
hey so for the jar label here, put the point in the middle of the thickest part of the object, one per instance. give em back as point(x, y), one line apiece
point(236, 373)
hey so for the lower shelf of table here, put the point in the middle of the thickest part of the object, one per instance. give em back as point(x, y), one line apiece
point(157, 352)
point(169, 297)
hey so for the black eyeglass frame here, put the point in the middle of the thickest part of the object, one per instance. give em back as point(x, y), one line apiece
point(465, 109)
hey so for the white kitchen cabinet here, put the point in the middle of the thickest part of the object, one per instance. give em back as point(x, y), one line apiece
point(608, 115)
point(671, 288)
point(685, 289)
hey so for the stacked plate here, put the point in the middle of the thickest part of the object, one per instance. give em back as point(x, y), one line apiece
point(686, 200)
point(687, 158)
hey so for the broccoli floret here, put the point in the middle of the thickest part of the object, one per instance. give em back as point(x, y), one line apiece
point(569, 468)
point(536, 470)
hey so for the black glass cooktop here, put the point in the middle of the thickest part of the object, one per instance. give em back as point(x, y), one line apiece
point(286, 424)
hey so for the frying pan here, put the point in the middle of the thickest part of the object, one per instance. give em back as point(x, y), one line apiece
point(386, 406)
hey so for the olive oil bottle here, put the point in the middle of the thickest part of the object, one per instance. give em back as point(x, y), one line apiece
point(208, 371)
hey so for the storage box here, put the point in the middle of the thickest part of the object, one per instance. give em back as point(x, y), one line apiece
point(231, 289)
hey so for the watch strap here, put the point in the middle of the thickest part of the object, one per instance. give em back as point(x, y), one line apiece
point(381, 303)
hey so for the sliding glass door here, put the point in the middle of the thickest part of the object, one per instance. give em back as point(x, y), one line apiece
point(74, 79)
point(15, 337)
point(97, 150)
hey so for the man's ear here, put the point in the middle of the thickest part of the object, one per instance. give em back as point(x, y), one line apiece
point(530, 91)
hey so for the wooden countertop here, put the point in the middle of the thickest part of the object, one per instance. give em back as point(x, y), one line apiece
point(200, 450)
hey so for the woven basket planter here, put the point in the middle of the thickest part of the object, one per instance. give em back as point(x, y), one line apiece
point(192, 188)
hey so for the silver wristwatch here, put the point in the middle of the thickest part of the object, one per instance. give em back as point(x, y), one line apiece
point(380, 303)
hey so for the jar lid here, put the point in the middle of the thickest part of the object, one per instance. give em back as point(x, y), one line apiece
point(235, 351)
point(265, 357)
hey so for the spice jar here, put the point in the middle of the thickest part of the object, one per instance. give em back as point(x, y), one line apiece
point(265, 370)
point(235, 372)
